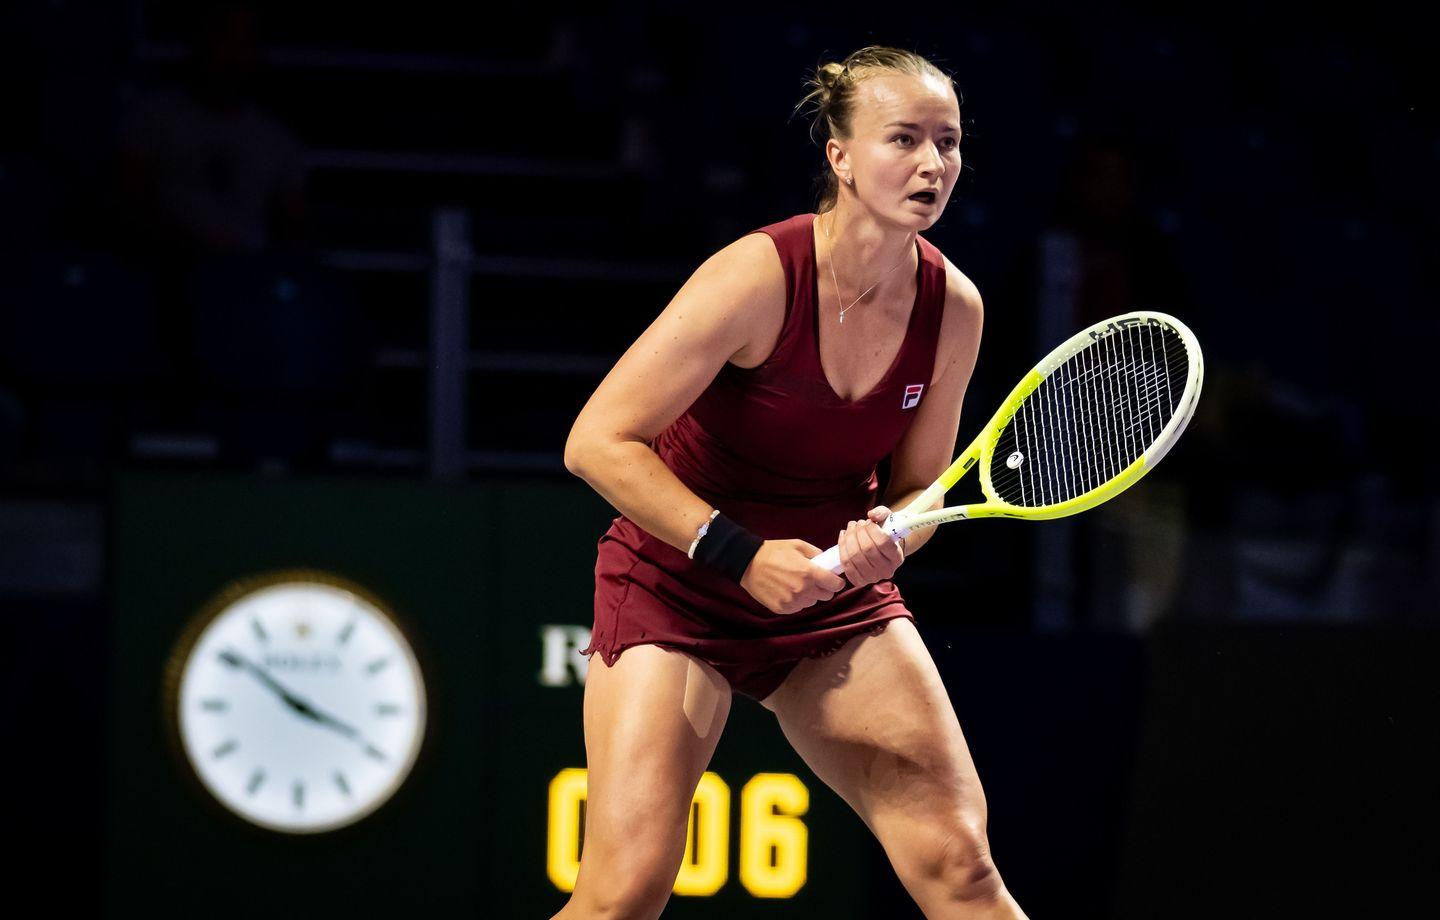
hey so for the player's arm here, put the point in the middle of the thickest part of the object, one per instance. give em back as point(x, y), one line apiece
point(928, 447)
point(737, 298)
point(713, 317)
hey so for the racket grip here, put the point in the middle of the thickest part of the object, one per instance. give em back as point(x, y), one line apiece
point(894, 526)
point(830, 559)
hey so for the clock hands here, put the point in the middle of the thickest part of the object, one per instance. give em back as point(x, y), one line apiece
point(300, 706)
point(296, 704)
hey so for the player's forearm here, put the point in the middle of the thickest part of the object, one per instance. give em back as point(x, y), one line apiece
point(633, 478)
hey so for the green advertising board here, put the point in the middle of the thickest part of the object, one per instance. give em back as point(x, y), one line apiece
point(258, 748)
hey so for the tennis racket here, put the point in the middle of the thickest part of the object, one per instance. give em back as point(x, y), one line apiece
point(1092, 418)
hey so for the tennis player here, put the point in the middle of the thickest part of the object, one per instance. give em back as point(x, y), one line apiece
point(738, 436)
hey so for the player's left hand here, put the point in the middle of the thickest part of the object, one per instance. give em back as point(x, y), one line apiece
point(867, 553)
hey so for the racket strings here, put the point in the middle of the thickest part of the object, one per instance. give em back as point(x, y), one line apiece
point(1091, 418)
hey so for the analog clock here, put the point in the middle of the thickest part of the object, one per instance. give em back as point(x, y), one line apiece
point(297, 701)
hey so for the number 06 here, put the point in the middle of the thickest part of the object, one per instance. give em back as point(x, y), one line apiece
point(773, 840)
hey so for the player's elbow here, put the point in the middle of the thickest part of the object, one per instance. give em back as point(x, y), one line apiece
point(597, 456)
point(586, 450)
point(577, 452)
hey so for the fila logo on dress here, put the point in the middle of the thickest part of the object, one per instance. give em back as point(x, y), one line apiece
point(912, 395)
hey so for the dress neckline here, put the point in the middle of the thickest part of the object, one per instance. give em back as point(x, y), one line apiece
point(815, 320)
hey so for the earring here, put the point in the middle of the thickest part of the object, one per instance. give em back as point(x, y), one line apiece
point(850, 180)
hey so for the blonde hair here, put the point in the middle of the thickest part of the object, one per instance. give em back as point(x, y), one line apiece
point(833, 90)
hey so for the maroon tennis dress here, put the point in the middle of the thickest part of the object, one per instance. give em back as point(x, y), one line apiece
point(780, 453)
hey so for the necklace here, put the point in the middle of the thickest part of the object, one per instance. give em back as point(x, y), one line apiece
point(838, 300)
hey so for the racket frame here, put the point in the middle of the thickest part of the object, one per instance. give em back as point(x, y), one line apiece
point(918, 514)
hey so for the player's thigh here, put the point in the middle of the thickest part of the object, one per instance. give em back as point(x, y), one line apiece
point(874, 722)
point(651, 725)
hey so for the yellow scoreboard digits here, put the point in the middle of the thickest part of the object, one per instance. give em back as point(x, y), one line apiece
point(707, 839)
point(562, 841)
point(773, 840)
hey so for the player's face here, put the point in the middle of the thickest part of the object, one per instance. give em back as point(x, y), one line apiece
point(907, 138)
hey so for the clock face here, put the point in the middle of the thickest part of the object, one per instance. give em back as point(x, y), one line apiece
point(300, 705)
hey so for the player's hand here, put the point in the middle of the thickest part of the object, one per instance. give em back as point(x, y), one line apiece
point(784, 580)
point(867, 553)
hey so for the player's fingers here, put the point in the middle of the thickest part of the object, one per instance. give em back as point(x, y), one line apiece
point(878, 548)
point(887, 549)
point(824, 580)
point(862, 548)
point(846, 542)
point(870, 538)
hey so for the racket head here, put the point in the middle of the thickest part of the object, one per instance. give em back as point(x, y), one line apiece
point(1093, 416)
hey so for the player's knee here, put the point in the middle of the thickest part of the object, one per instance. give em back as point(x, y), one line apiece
point(629, 885)
point(960, 861)
point(619, 899)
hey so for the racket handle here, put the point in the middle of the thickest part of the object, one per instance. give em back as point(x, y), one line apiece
point(830, 559)
point(894, 526)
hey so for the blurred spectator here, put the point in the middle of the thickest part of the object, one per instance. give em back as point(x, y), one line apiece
point(206, 175)
point(1297, 519)
point(204, 169)
point(1118, 258)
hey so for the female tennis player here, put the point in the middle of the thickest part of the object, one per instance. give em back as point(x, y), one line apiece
point(737, 436)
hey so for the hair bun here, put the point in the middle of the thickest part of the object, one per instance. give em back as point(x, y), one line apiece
point(829, 76)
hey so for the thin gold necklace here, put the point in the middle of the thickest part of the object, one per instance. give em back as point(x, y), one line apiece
point(837, 283)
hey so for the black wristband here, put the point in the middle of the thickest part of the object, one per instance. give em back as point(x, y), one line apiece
point(727, 548)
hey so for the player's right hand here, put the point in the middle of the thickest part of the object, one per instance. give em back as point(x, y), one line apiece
point(784, 580)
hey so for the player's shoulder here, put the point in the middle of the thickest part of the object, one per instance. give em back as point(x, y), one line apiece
point(734, 301)
point(756, 246)
point(961, 294)
point(756, 252)
point(962, 320)
point(747, 273)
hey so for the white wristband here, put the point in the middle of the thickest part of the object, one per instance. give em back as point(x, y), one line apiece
point(705, 527)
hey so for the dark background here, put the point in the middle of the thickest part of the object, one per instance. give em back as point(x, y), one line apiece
point(289, 246)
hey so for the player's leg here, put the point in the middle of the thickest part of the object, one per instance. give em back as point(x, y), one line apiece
point(875, 724)
point(651, 724)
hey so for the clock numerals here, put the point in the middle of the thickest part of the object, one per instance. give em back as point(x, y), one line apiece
point(254, 706)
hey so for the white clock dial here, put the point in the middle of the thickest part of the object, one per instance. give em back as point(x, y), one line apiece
point(300, 705)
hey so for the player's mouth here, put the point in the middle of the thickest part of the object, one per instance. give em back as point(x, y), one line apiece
point(925, 198)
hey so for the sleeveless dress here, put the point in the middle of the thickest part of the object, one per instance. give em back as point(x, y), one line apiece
point(777, 450)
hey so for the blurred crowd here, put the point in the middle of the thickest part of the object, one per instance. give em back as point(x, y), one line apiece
point(164, 271)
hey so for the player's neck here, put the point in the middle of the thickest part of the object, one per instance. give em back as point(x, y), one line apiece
point(863, 249)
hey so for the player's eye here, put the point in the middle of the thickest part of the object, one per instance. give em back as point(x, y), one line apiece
point(950, 143)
